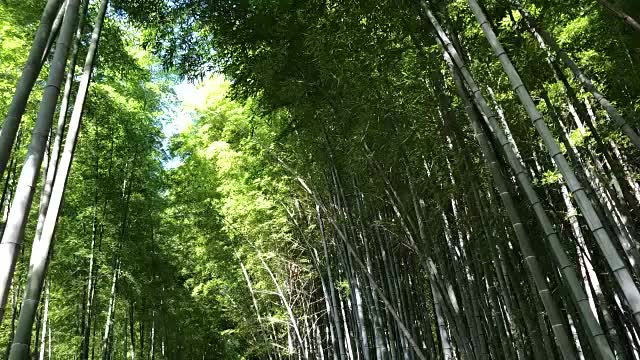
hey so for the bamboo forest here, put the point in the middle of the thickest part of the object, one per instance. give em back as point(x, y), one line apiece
point(319, 179)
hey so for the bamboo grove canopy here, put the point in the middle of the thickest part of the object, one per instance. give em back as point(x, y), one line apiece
point(280, 179)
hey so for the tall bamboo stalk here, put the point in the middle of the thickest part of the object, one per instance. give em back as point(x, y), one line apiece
point(39, 256)
point(616, 264)
point(25, 85)
point(18, 214)
point(550, 305)
point(567, 269)
point(621, 14)
point(59, 130)
point(553, 49)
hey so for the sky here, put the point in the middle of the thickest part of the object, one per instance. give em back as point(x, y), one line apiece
point(188, 96)
point(191, 96)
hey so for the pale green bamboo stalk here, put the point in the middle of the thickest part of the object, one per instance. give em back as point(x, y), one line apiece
point(541, 285)
point(18, 214)
point(39, 255)
point(55, 29)
point(617, 265)
point(45, 322)
point(23, 88)
point(62, 117)
point(586, 82)
point(597, 336)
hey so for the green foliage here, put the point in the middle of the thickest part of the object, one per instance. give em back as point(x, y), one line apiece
point(350, 97)
point(224, 206)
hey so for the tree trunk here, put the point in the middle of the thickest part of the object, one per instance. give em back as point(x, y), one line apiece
point(546, 40)
point(108, 327)
point(621, 14)
point(333, 313)
point(25, 84)
point(152, 355)
point(40, 251)
point(45, 321)
point(292, 318)
point(132, 333)
point(14, 232)
point(403, 329)
point(617, 265)
point(59, 132)
point(578, 294)
point(55, 30)
point(88, 306)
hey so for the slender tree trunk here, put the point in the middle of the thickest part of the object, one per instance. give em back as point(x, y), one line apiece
point(562, 337)
point(371, 297)
point(553, 312)
point(152, 354)
point(55, 30)
point(292, 318)
point(445, 347)
point(39, 256)
point(39, 314)
point(15, 299)
point(7, 193)
point(617, 265)
point(14, 232)
point(88, 314)
point(49, 352)
point(142, 336)
point(59, 132)
point(25, 85)
point(125, 349)
point(621, 14)
point(403, 329)
point(45, 319)
point(132, 333)
point(253, 296)
point(568, 271)
point(332, 293)
point(546, 40)
point(108, 328)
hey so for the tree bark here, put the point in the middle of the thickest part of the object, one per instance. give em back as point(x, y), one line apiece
point(18, 214)
point(55, 30)
point(59, 132)
point(617, 265)
point(546, 40)
point(621, 14)
point(108, 327)
point(568, 271)
point(25, 85)
point(45, 319)
point(40, 251)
